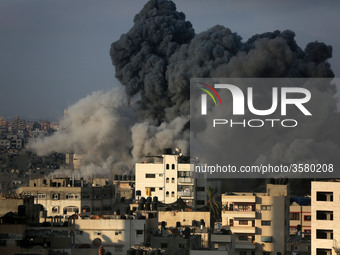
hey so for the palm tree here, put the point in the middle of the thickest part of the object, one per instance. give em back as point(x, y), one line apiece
point(213, 204)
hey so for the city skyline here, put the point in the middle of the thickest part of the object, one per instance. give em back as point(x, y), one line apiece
point(54, 53)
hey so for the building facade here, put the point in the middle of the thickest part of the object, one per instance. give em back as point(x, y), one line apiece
point(325, 217)
point(170, 179)
point(258, 220)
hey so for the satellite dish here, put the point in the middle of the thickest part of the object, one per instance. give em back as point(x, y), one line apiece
point(18, 191)
point(97, 242)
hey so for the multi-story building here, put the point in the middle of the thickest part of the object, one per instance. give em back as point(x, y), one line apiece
point(258, 220)
point(3, 125)
point(325, 217)
point(66, 196)
point(170, 178)
point(18, 125)
point(300, 216)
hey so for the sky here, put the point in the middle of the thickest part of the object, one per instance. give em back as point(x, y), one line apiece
point(55, 52)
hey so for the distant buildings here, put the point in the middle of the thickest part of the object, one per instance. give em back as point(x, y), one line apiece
point(170, 178)
point(258, 220)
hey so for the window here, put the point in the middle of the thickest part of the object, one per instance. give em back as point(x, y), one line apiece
point(266, 253)
point(324, 196)
point(150, 176)
point(72, 196)
point(97, 233)
point(243, 222)
point(265, 223)
point(243, 238)
point(160, 188)
point(324, 234)
point(173, 166)
point(152, 189)
point(172, 194)
point(266, 239)
point(118, 233)
point(167, 166)
point(167, 194)
point(70, 209)
point(181, 245)
point(323, 251)
point(294, 216)
point(200, 189)
point(307, 218)
point(55, 196)
point(40, 196)
point(139, 232)
point(167, 180)
point(243, 252)
point(172, 180)
point(118, 248)
point(265, 207)
point(55, 209)
point(164, 245)
point(3, 243)
point(324, 215)
point(160, 175)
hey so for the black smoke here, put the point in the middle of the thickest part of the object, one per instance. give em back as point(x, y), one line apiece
point(161, 52)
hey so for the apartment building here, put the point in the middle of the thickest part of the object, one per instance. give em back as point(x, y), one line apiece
point(325, 217)
point(66, 196)
point(300, 216)
point(169, 178)
point(259, 221)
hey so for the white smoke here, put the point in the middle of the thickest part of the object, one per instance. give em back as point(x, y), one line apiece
point(97, 128)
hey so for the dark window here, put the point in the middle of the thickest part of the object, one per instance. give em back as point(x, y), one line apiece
point(324, 215)
point(3, 242)
point(164, 245)
point(324, 234)
point(139, 232)
point(152, 189)
point(324, 196)
point(307, 218)
point(243, 222)
point(167, 166)
point(323, 251)
point(243, 252)
point(294, 216)
point(167, 180)
point(200, 202)
point(266, 253)
point(150, 176)
point(173, 166)
point(265, 223)
point(200, 189)
point(160, 188)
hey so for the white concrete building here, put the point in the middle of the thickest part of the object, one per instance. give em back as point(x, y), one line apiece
point(325, 217)
point(170, 179)
point(259, 220)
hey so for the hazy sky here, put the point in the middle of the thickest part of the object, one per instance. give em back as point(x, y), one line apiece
point(54, 52)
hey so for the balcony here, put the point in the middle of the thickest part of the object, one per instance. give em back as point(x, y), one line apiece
point(245, 245)
point(242, 230)
point(186, 180)
point(221, 238)
point(186, 193)
point(239, 214)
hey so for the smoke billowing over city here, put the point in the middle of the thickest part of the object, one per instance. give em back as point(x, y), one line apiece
point(154, 61)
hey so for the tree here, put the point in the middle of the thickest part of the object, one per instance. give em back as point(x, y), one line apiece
point(213, 204)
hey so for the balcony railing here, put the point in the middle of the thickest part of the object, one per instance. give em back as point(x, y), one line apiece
point(186, 193)
point(185, 180)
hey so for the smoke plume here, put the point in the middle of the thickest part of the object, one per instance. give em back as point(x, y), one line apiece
point(156, 59)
